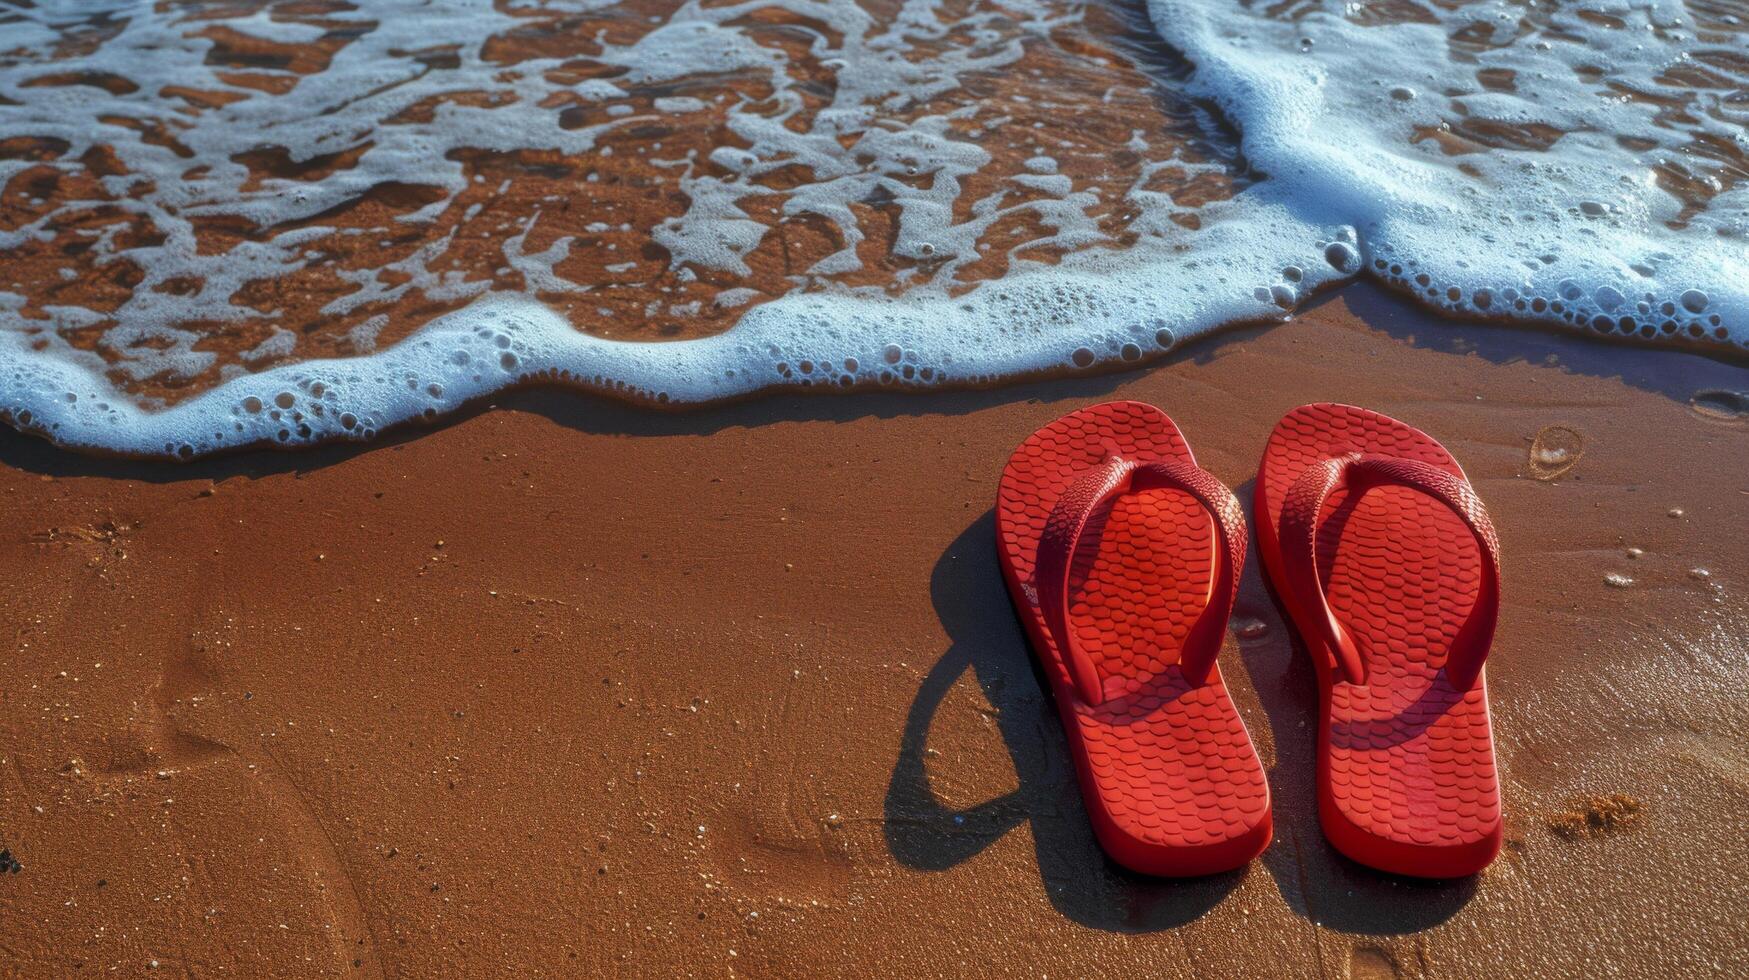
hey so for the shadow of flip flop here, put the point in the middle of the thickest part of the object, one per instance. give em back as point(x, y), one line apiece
point(927, 834)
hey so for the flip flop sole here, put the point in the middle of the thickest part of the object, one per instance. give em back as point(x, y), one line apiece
point(1172, 784)
point(1406, 773)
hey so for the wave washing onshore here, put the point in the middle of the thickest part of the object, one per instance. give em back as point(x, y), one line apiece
point(979, 214)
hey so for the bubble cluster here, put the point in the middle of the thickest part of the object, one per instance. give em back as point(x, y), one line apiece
point(1601, 309)
point(1121, 310)
point(1477, 176)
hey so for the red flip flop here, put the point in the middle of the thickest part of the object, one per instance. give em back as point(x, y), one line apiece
point(1386, 561)
point(1122, 557)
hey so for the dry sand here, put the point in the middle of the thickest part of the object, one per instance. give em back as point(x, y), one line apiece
point(565, 687)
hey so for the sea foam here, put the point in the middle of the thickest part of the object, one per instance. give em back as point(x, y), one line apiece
point(1475, 157)
point(1358, 122)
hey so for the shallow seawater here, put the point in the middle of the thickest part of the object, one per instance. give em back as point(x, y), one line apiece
point(225, 223)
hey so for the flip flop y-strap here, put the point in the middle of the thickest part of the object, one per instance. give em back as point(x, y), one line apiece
point(1304, 505)
point(1068, 519)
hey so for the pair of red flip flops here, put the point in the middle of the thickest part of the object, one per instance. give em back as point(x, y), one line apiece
point(1123, 559)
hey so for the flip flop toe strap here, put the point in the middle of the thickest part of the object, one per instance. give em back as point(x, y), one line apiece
point(1068, 520)
point(1304, 507)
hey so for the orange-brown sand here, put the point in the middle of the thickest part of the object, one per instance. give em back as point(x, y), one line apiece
point(563, 687)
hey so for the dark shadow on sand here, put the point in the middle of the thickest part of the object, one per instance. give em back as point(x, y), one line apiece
point(924, 833)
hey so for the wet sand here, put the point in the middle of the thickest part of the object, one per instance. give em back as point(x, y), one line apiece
point(581, 230)
point(568, 688)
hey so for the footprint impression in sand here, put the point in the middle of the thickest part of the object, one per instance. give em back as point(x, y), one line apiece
point(1721, 405)
point(1554, 451)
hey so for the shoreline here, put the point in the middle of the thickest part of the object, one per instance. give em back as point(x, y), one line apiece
point(567, 685)
point(298, 375)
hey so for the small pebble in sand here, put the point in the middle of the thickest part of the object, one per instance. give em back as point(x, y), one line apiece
point(1674, 512)
point(1617, 580)
point(1635, 552)
point(1597, 816)
point(1699, 574)
point(1249, 627)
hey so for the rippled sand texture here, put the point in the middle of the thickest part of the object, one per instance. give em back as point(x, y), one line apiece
point(199, 190)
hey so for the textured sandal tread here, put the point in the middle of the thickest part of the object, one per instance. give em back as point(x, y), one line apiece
point(1168, 767)
point(1407, 777)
